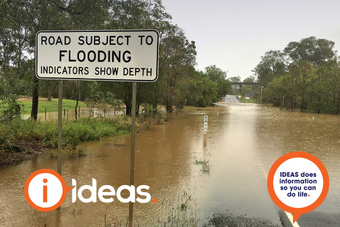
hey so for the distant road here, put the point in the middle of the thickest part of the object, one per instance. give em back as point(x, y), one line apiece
point(231, 99)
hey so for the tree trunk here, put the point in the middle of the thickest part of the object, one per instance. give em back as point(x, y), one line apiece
point(75, 109)
point(78, 95)
point(49, 95)
point(128, 108)
point(168, 104)
point(154, 104)
point(35, 99)
point(155, 100)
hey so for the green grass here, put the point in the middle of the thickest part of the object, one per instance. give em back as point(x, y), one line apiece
point(247, 100)
point(74, 132)
point(205, 165)
point(51, 106)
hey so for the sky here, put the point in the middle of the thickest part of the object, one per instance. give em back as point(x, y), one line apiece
point(233, 35)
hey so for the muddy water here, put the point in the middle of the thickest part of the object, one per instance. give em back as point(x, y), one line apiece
point(192, 175)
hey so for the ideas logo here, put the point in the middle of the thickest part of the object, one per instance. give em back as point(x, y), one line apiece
point(45, 190)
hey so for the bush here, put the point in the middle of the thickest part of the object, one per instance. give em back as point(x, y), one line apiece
point(200, 102)
point(73, 133)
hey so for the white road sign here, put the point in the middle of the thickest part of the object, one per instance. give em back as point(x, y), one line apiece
point(124, 55)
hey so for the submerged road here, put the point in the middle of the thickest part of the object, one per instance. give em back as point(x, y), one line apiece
point(231, 99)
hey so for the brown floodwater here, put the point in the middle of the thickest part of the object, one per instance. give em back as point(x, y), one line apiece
point(192, 175)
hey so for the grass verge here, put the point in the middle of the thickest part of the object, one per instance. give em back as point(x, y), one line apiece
point(242, 99)
point(51, 106)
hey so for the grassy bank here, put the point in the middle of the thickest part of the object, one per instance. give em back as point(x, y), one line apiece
point(22, 139)
point(244, 100)
point(51, 106)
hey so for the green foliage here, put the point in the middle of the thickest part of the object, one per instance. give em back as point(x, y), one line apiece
point(218, 76)
point(224, 87)
point(9, 93)
point(20, 21)
point(316, 90)
point(315, 51)
point(149, 114)
point(202, 91)
point(311, 82)
point(205, 165)
point(215, 74)
point(101, 98)
point(177, 59)
point(200, 102)
point(74, 132)
point(272, 64)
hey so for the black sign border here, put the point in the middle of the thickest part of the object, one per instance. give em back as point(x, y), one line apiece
point(93, 31)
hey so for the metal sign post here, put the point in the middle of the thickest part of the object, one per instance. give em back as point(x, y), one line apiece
point(60, 123)
point(132, 158)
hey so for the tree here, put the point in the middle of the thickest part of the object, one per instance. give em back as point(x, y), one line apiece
point(173, 54)
point(276, 90)
point(324, 95)
point(215, 74)
point(305, 70)
point(316, 51)
point(209, 91)
point(272, 64)
point(218, 76)
point(293, 85)
point(177, 60)
point(39, 15)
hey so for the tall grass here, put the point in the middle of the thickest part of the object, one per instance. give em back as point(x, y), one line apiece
point(73, 132)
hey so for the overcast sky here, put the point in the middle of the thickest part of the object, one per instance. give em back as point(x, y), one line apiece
point(233, 35)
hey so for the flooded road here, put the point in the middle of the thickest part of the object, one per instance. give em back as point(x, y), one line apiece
point(192, 175)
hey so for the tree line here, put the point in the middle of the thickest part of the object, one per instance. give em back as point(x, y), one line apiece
point(179, 83)
point(305, 75)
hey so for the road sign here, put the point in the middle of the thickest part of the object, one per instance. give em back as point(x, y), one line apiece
point(205, 124)
point(124, 55)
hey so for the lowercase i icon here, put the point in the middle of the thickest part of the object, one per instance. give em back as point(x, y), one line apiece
point(45, 190)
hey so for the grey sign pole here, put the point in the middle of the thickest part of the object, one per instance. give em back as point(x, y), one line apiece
point(132, 162)
point(60, 122)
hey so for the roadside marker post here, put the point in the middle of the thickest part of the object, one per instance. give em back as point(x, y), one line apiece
point(120, 56)
point(205, 126)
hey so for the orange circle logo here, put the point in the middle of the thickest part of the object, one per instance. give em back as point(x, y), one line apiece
point(45, 190)
point(298, 183)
